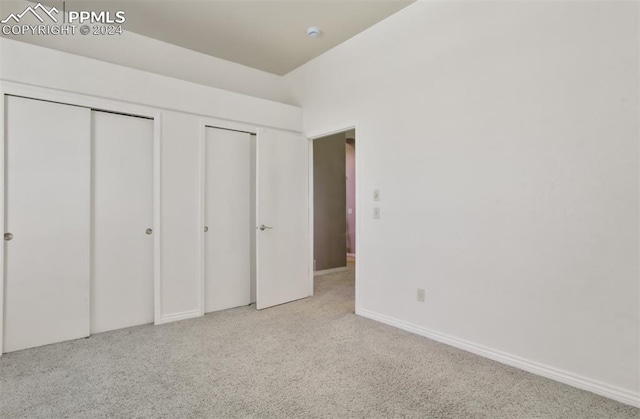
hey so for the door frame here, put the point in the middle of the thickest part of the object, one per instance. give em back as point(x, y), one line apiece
point(358, 163)
point(52, 95)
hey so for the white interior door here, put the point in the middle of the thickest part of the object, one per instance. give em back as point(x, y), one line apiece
point(47, 262)
point(122, 268)
point(282, 248)
point(227, 219)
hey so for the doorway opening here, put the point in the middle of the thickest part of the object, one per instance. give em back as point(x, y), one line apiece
point(334, 210)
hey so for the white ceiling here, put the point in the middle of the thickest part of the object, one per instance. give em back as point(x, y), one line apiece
point(269, 35)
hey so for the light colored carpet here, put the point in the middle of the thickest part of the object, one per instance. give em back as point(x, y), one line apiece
point(311, 358)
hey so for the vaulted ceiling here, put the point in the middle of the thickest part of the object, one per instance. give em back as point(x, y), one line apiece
point(269, 35)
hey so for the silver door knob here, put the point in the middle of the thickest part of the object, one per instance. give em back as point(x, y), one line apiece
point(149, 231)
point(264, 227)
point(206, 229)
point(8, 236)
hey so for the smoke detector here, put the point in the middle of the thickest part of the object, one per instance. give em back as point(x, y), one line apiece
point(313, 32)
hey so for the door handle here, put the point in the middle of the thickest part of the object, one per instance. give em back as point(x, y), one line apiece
point(149, 231)
point(264, 227)
point(206, 228)
point(8, 236)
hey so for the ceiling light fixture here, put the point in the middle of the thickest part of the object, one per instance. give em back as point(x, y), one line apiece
point(313, 32)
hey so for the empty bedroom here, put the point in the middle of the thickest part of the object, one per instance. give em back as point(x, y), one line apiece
point(320, 209)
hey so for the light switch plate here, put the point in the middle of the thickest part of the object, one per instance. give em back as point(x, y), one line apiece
point(376, 194)
point(376, 213)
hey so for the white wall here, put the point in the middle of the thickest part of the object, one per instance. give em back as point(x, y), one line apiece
point(140, 52)
point(181, 228)
point(182, 107)
point(30, 64)
point(503, 137)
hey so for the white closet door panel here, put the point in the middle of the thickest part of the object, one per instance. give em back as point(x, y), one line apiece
point(228, 218)
point(47, 265)
point(283, 208)
point(122, 280)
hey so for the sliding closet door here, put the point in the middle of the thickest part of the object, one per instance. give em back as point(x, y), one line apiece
point(47, 225)
point(122, 277)
point(227, 219)
point(283, 271)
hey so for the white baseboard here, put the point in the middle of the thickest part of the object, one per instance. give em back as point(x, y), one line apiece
point(597, 387)
point(330, 271)
point(168, 318)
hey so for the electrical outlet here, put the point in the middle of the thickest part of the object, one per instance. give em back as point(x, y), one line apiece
point(376, 213)
point(420, 295)
point(376, 194)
